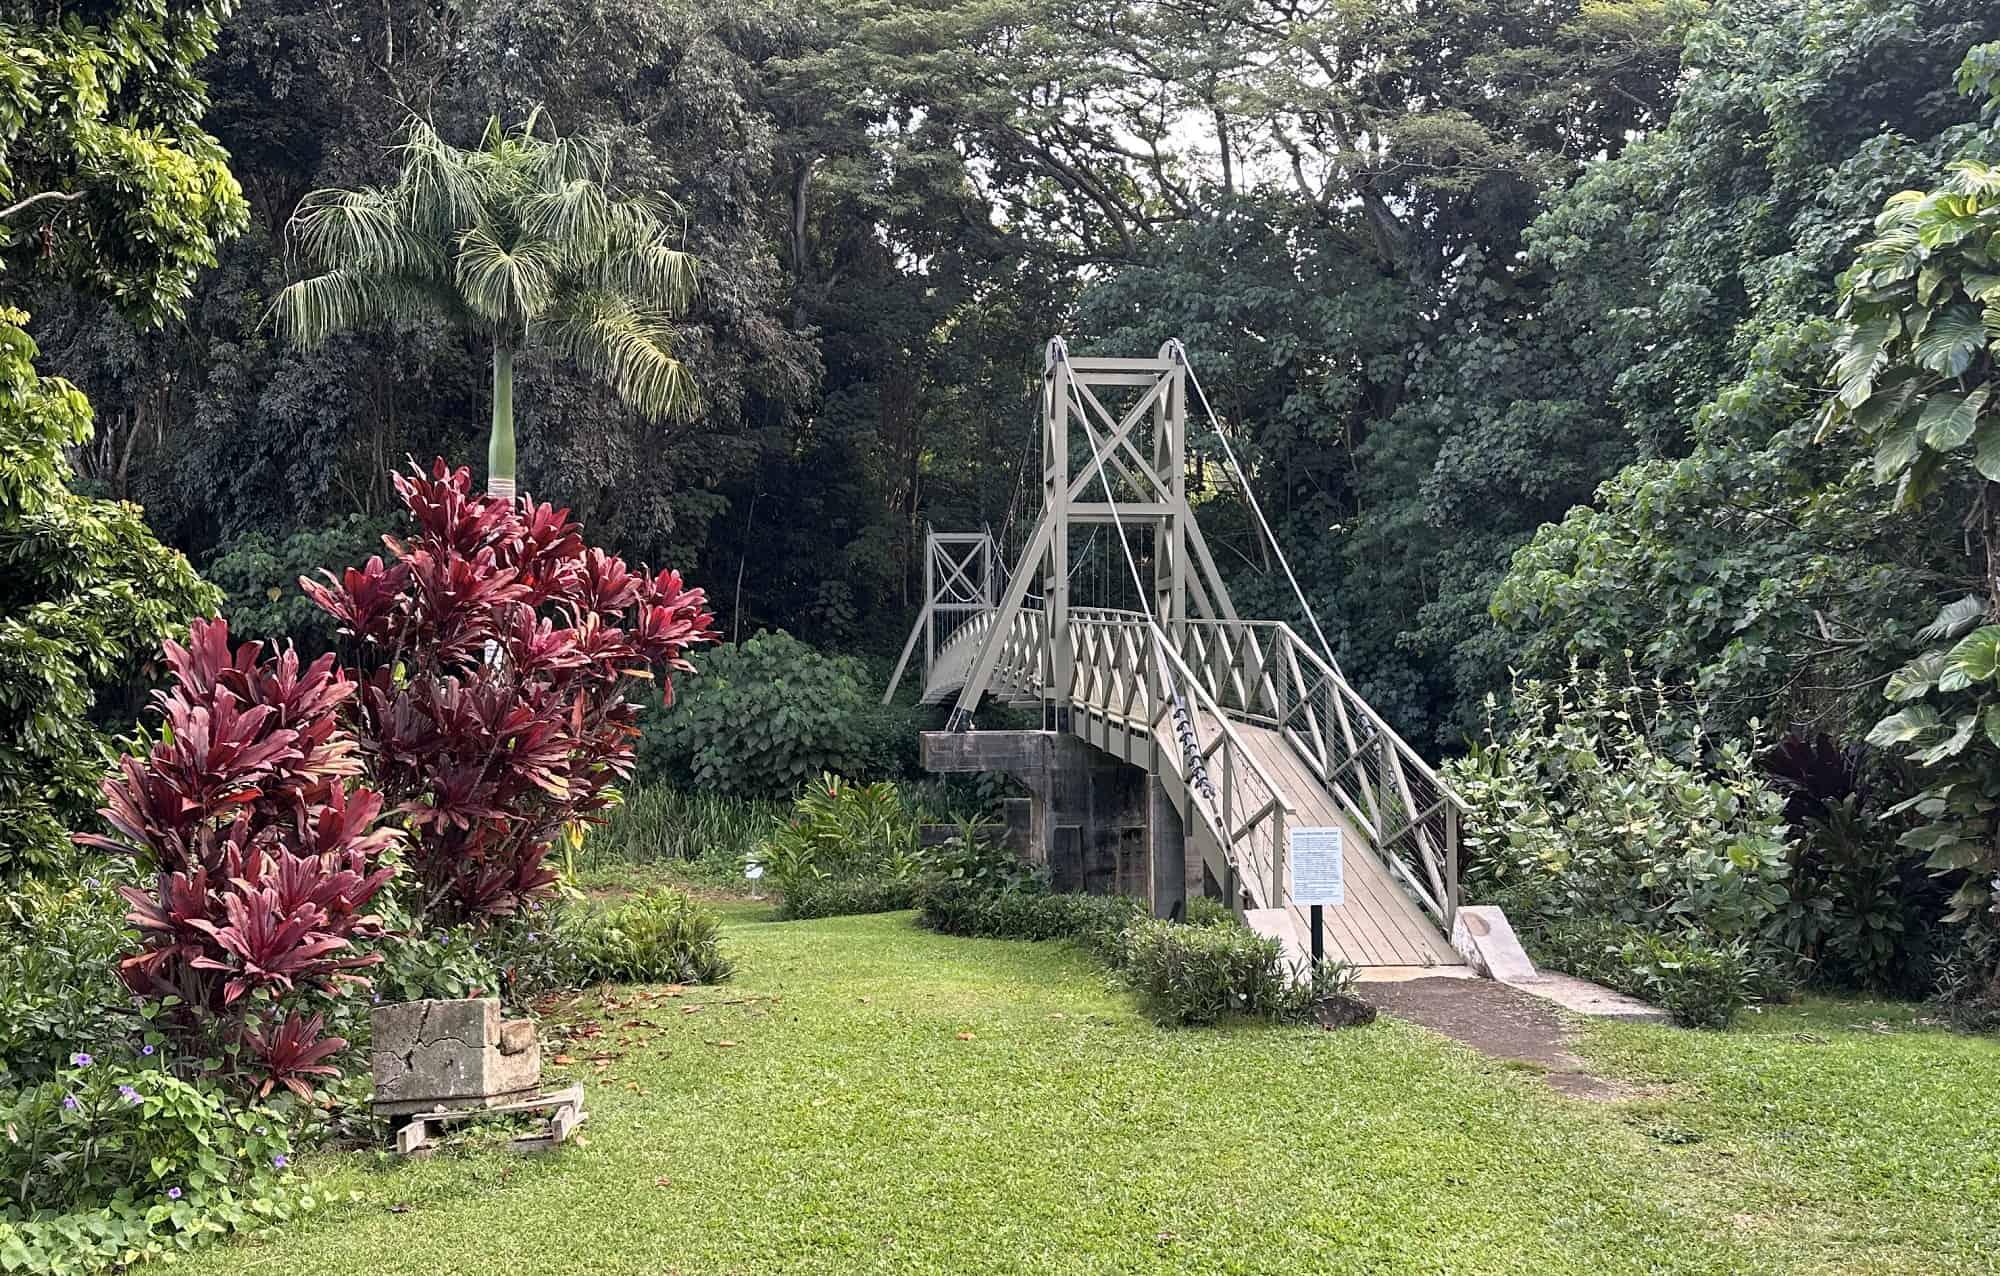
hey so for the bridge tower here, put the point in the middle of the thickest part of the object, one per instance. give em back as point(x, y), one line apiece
point(1114, 459)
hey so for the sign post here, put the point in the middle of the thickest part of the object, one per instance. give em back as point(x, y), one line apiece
point(1317, 877)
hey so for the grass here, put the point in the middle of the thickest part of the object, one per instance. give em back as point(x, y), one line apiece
point(900, 1102)
point(702, 837)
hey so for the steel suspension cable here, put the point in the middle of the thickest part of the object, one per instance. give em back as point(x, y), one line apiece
point(1326, 649)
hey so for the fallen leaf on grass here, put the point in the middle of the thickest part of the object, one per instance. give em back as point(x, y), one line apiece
point(663, 1181)
point(965, 1036)
point(688, 1010)
point(725, 1044)
point(563, 1059)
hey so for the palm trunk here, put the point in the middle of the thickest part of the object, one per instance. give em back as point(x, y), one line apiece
point(500, 448)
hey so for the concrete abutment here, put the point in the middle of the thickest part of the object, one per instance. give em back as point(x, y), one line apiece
point(1100, 825)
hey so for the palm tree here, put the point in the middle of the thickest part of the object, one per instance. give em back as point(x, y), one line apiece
point(521, 242)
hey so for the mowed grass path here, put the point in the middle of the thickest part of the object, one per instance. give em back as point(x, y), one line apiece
point(854, 1127)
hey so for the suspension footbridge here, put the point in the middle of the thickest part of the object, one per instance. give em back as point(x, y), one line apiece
point(1248, 730)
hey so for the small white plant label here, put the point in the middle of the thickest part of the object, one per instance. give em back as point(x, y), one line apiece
point(1317, 876)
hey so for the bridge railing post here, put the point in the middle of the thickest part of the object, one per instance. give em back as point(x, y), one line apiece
point(1277, 897)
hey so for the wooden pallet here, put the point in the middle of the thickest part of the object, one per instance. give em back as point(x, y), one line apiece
point(565, 1109)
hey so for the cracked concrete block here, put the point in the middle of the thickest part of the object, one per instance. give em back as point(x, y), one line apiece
point(1482, 934)
point(431, 1054)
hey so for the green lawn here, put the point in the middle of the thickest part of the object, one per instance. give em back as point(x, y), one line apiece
point(853, 1127)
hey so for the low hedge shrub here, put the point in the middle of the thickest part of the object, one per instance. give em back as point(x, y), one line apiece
point(845, 897)
point(840, 830)
point(106, 1164)
point(61, 938)
point(974, 909)
point(1203, 911)
point(656, 936)
point(707, 836)
point(1200, 974)
point(1701, 982)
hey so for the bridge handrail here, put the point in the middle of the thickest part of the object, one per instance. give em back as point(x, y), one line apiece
point(1275, 677)
point(1234, 809)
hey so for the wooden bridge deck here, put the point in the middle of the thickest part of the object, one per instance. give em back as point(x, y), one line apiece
point(1380, 924)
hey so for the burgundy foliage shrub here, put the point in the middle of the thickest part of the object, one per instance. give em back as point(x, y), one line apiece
point(494, 653)
point(264, 856)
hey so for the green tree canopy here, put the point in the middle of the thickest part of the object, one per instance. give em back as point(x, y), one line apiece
point(107, 185)
point(107, 181)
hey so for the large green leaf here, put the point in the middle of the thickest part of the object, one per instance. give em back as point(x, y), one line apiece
point(1896, 450)
point(1948, 418)
point(1975, 661)
point(1861, 357)
point(1952, 745)
point(1953, 619)
point(1953, 341)
point(1917, 677)
point(1903, 726)
point(1986, 449)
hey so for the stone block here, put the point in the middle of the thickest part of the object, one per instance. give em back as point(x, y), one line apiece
point(1483, 935)
point(452, 1054)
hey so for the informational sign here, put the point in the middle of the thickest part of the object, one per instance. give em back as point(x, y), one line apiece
point(1317, 876)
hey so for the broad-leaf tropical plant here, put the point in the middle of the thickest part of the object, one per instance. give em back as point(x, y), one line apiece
point(1917, 372)
point(521, 241)
point(491, 760)
point(263, 854)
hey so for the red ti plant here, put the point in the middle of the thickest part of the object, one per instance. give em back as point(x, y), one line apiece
point(264, 858)
point(495, 653)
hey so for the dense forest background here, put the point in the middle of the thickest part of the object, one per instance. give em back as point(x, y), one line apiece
point(1446, 267)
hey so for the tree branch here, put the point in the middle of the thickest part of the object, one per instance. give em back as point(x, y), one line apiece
point(69, 197)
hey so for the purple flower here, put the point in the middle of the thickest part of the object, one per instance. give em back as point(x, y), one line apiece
point(80, 1059)
point(128, 1094)
point(531, 936)
point(90, 883)
point(147, 1050)
point(173, 1194)
point(69, 1101)
point(280, 1161)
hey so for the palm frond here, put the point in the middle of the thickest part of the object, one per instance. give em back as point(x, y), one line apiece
point(362, 229)
point(665, 278)
point(343, 299)
point(640, 261)
point(630, 348)
point(443, 188)
point(572, 159)
point(503, 285)
point(575, 215)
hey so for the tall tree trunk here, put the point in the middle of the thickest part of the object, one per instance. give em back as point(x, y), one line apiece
point(500, 448)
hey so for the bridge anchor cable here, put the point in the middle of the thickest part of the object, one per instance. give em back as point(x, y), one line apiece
point(1180, 355)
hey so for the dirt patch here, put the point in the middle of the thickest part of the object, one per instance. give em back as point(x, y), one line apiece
point(1500, 1022)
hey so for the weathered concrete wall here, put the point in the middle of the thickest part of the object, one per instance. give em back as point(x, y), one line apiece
point(1100, 825)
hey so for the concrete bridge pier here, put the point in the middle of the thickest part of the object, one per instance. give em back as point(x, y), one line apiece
point(1100, 825)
